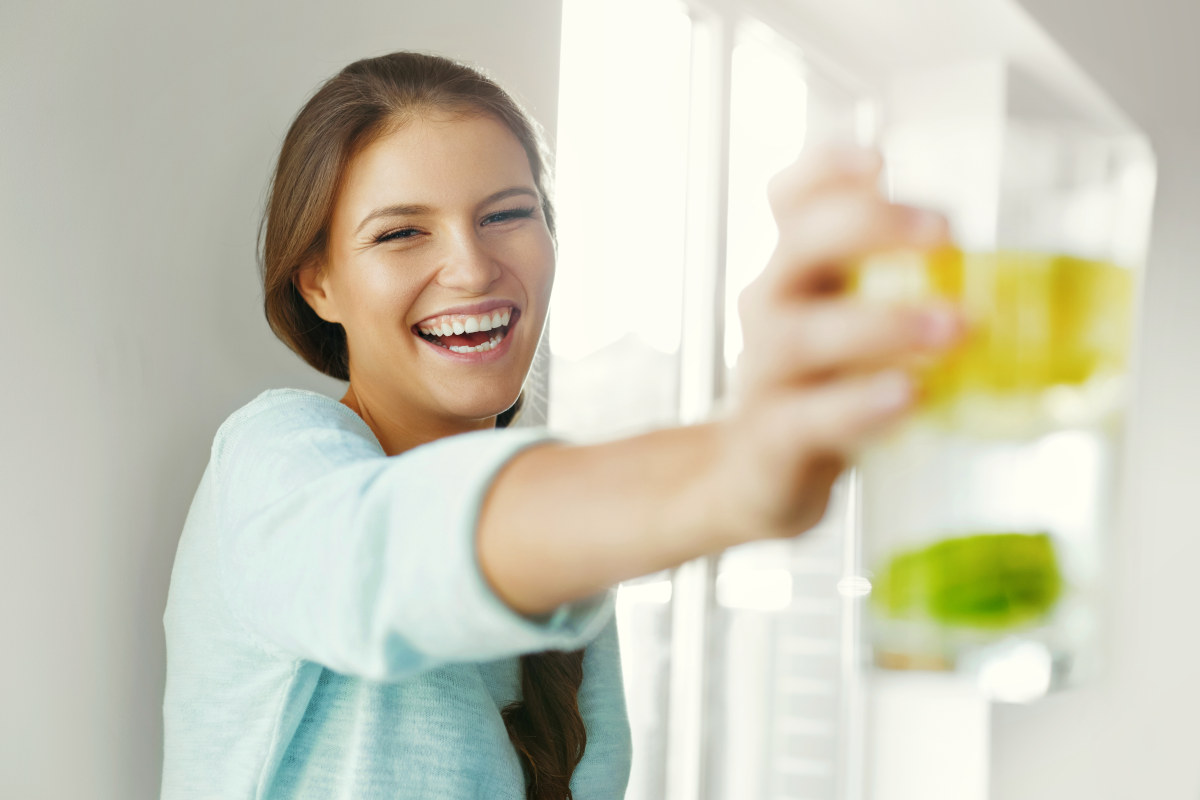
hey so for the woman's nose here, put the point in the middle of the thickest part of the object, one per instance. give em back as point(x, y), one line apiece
point(468, 266)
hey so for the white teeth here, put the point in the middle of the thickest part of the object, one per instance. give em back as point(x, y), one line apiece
point(468, 324)
point(488, 345)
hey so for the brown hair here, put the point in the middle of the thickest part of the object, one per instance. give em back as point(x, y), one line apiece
point(366, 100)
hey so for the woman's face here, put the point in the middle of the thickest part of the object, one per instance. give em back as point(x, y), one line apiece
point(438, 227)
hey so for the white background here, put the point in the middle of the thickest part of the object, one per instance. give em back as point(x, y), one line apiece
point(135, 143)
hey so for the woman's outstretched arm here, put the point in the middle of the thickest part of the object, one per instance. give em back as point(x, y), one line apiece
point(563, 522)
point(820, 374)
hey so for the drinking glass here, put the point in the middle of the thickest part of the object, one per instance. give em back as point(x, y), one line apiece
point(986, 520)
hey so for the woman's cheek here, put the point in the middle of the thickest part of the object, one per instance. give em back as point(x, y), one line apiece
point(544, 260)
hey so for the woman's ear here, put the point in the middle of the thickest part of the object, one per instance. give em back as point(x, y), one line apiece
point(312, 282)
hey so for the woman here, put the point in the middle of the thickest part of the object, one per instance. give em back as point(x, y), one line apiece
point(391, 595)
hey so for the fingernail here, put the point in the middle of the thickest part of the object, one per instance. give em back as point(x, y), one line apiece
point(893, 390)
point(938, 327)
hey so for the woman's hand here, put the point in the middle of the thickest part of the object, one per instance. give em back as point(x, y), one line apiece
point(821, 372)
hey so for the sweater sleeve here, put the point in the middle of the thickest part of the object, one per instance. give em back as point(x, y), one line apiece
point(333, 552)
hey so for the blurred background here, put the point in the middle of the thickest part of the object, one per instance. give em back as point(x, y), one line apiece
point(138, 139)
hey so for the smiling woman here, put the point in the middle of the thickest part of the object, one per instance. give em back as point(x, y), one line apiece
point(437, 220)
point(408, 249)
point(396, 595)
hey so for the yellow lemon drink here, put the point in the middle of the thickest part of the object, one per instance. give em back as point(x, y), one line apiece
point(1039, 321)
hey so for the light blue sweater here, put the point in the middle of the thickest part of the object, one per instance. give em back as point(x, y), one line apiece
point(329, 632)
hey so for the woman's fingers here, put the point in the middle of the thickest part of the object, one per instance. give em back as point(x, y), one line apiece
point(822, 239)
point(838, 417)
point(785, 451)
point(844, 334)
point(821, 373)
point(796, 322)
point(830, 212)
point(820, 169)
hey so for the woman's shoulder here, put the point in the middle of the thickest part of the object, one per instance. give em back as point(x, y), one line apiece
point(276, 414)
point(287, 402)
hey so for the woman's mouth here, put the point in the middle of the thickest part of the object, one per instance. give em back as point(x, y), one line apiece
point(469, 333)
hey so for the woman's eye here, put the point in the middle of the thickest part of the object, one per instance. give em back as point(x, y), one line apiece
point(507, 214)
point(403, 233)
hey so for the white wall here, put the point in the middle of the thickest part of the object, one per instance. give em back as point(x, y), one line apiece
point(136, 139)
point(1137, 734)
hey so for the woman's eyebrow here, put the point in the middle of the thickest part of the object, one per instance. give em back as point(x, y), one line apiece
point(515, 190)
point(412, 209)
point(401, 210)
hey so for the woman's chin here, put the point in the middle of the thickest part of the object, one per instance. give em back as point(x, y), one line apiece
point(479, 411)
